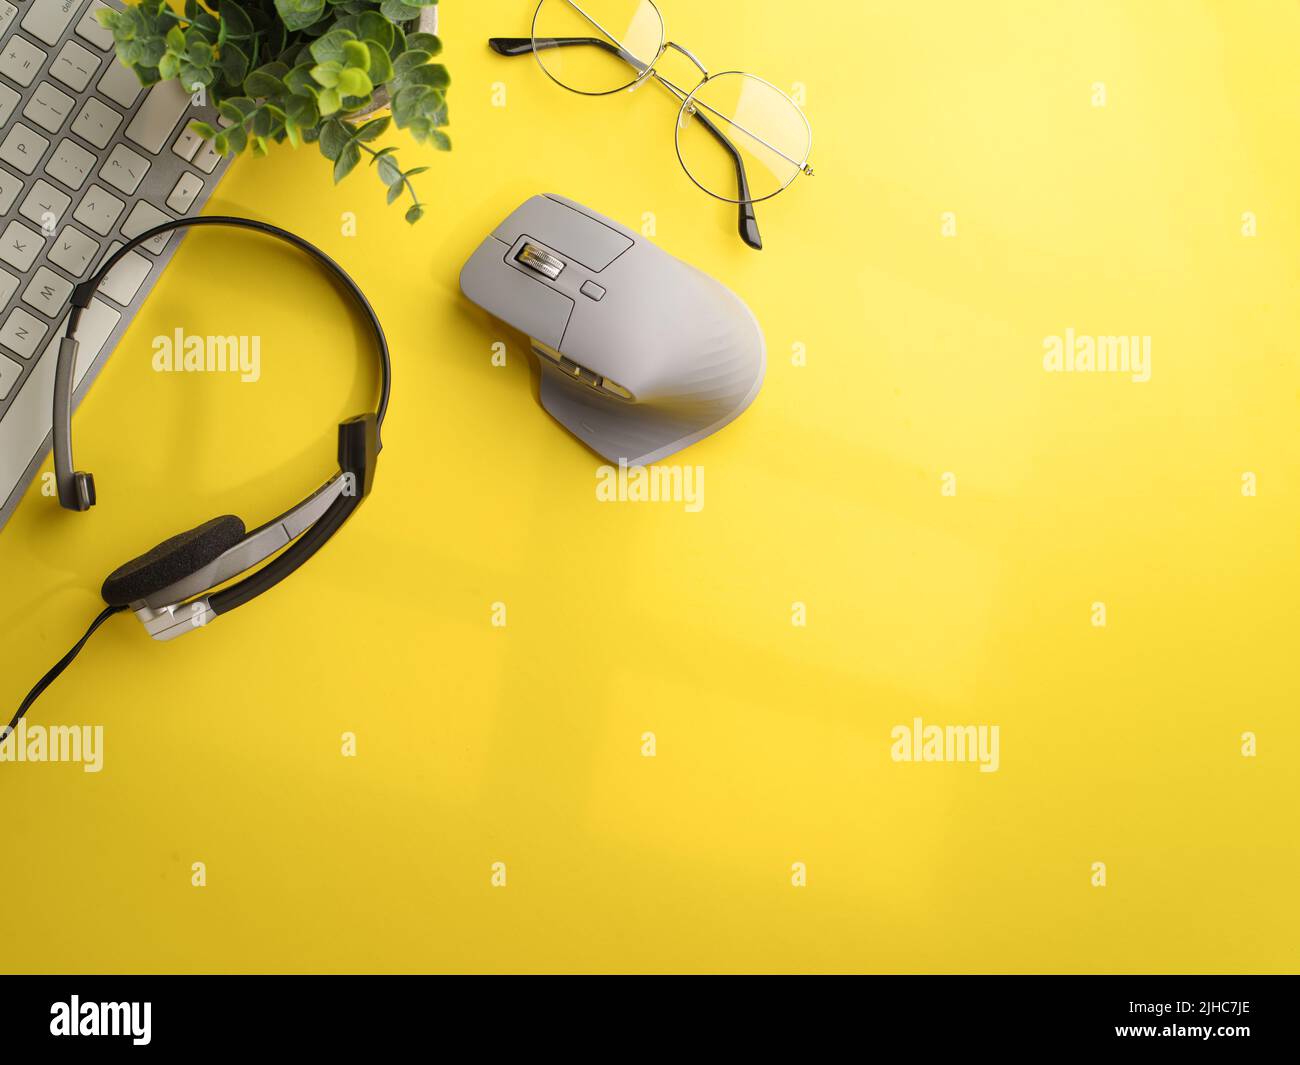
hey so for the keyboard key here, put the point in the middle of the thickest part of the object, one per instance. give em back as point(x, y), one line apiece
point(8, 101)
point(89, 28)
point(96, 123)
point(125, 279)
point(23, 148)
point(99, 209)
point(72, 250)
point(208, 158)
point(70, 163)
point(48, 108)
point(8, 286)
point(47, 19)
point(19, 246)
point(7, 13)
point(123, 169)
point(44, 205)
point(22, 332)
point(10, 371)
point(182, 196)
point(48, 292)
point(20, 60)
point(152, 125)
point(26, 423)
point(74, 66)
point(145, 216)
point(10, 187)
point(187, 144)
point(120, 84)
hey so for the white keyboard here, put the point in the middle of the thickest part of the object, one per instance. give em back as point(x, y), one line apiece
point(88, 158)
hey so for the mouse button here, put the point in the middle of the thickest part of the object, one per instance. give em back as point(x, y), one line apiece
point(520, 299)
point(567, 231)
point(592, 291)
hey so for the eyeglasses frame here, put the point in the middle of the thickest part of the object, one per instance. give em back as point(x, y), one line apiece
point(690, 107)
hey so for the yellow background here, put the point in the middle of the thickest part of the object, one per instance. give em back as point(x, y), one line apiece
point(523, 744)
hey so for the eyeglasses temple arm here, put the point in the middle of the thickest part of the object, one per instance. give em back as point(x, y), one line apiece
point(748, 218)
point(515, 46)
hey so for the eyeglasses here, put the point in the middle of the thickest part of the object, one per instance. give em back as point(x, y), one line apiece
point(738, 137)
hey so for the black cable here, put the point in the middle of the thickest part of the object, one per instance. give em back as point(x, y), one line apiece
point(83, 292)
point(58, 668)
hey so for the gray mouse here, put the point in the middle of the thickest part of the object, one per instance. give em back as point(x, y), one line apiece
point(641, 354)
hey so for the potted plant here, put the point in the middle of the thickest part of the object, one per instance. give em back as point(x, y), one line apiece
point(330, 72)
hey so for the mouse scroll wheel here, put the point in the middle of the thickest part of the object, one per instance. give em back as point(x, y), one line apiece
point(540, 260)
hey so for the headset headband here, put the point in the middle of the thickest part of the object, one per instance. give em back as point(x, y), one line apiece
point(160, 585)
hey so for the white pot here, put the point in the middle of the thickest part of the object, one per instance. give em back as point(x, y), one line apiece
point(379, 102)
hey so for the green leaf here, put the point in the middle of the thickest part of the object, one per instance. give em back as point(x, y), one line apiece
point(354, 82)
point(176, 40)
point(397, 11)
point(262, 123)
point(441, 141)
point(291, 131)
point(424, 42)
point(334, 137)
point(345, 163)
point(414, 214)
point(389, 172)
point(356, 54)
point(372, 26)
point(399, 41)
point(408, 61)
point(203, 129)
point(243, 105)
point(327, 74)
point(233, 63)
point(381, 67)
point(230, 112)
point(394, 191)
point(433, 75)
point(199, 54)
point(406, 104)
point(235, 21)
point(299, 14)
point(262, 84)
point(299, 81)
point(329, 48)
point(376, 127)
point(190, 76)
point(302, 111)
point(328, 101)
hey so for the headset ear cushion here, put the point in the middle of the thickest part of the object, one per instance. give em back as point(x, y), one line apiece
point(172, 560)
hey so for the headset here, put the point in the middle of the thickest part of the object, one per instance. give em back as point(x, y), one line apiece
point(170, 588)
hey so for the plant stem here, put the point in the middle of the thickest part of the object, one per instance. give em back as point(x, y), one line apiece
point(415, 200)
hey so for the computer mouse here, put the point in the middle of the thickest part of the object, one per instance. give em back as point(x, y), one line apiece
point(641, 354)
